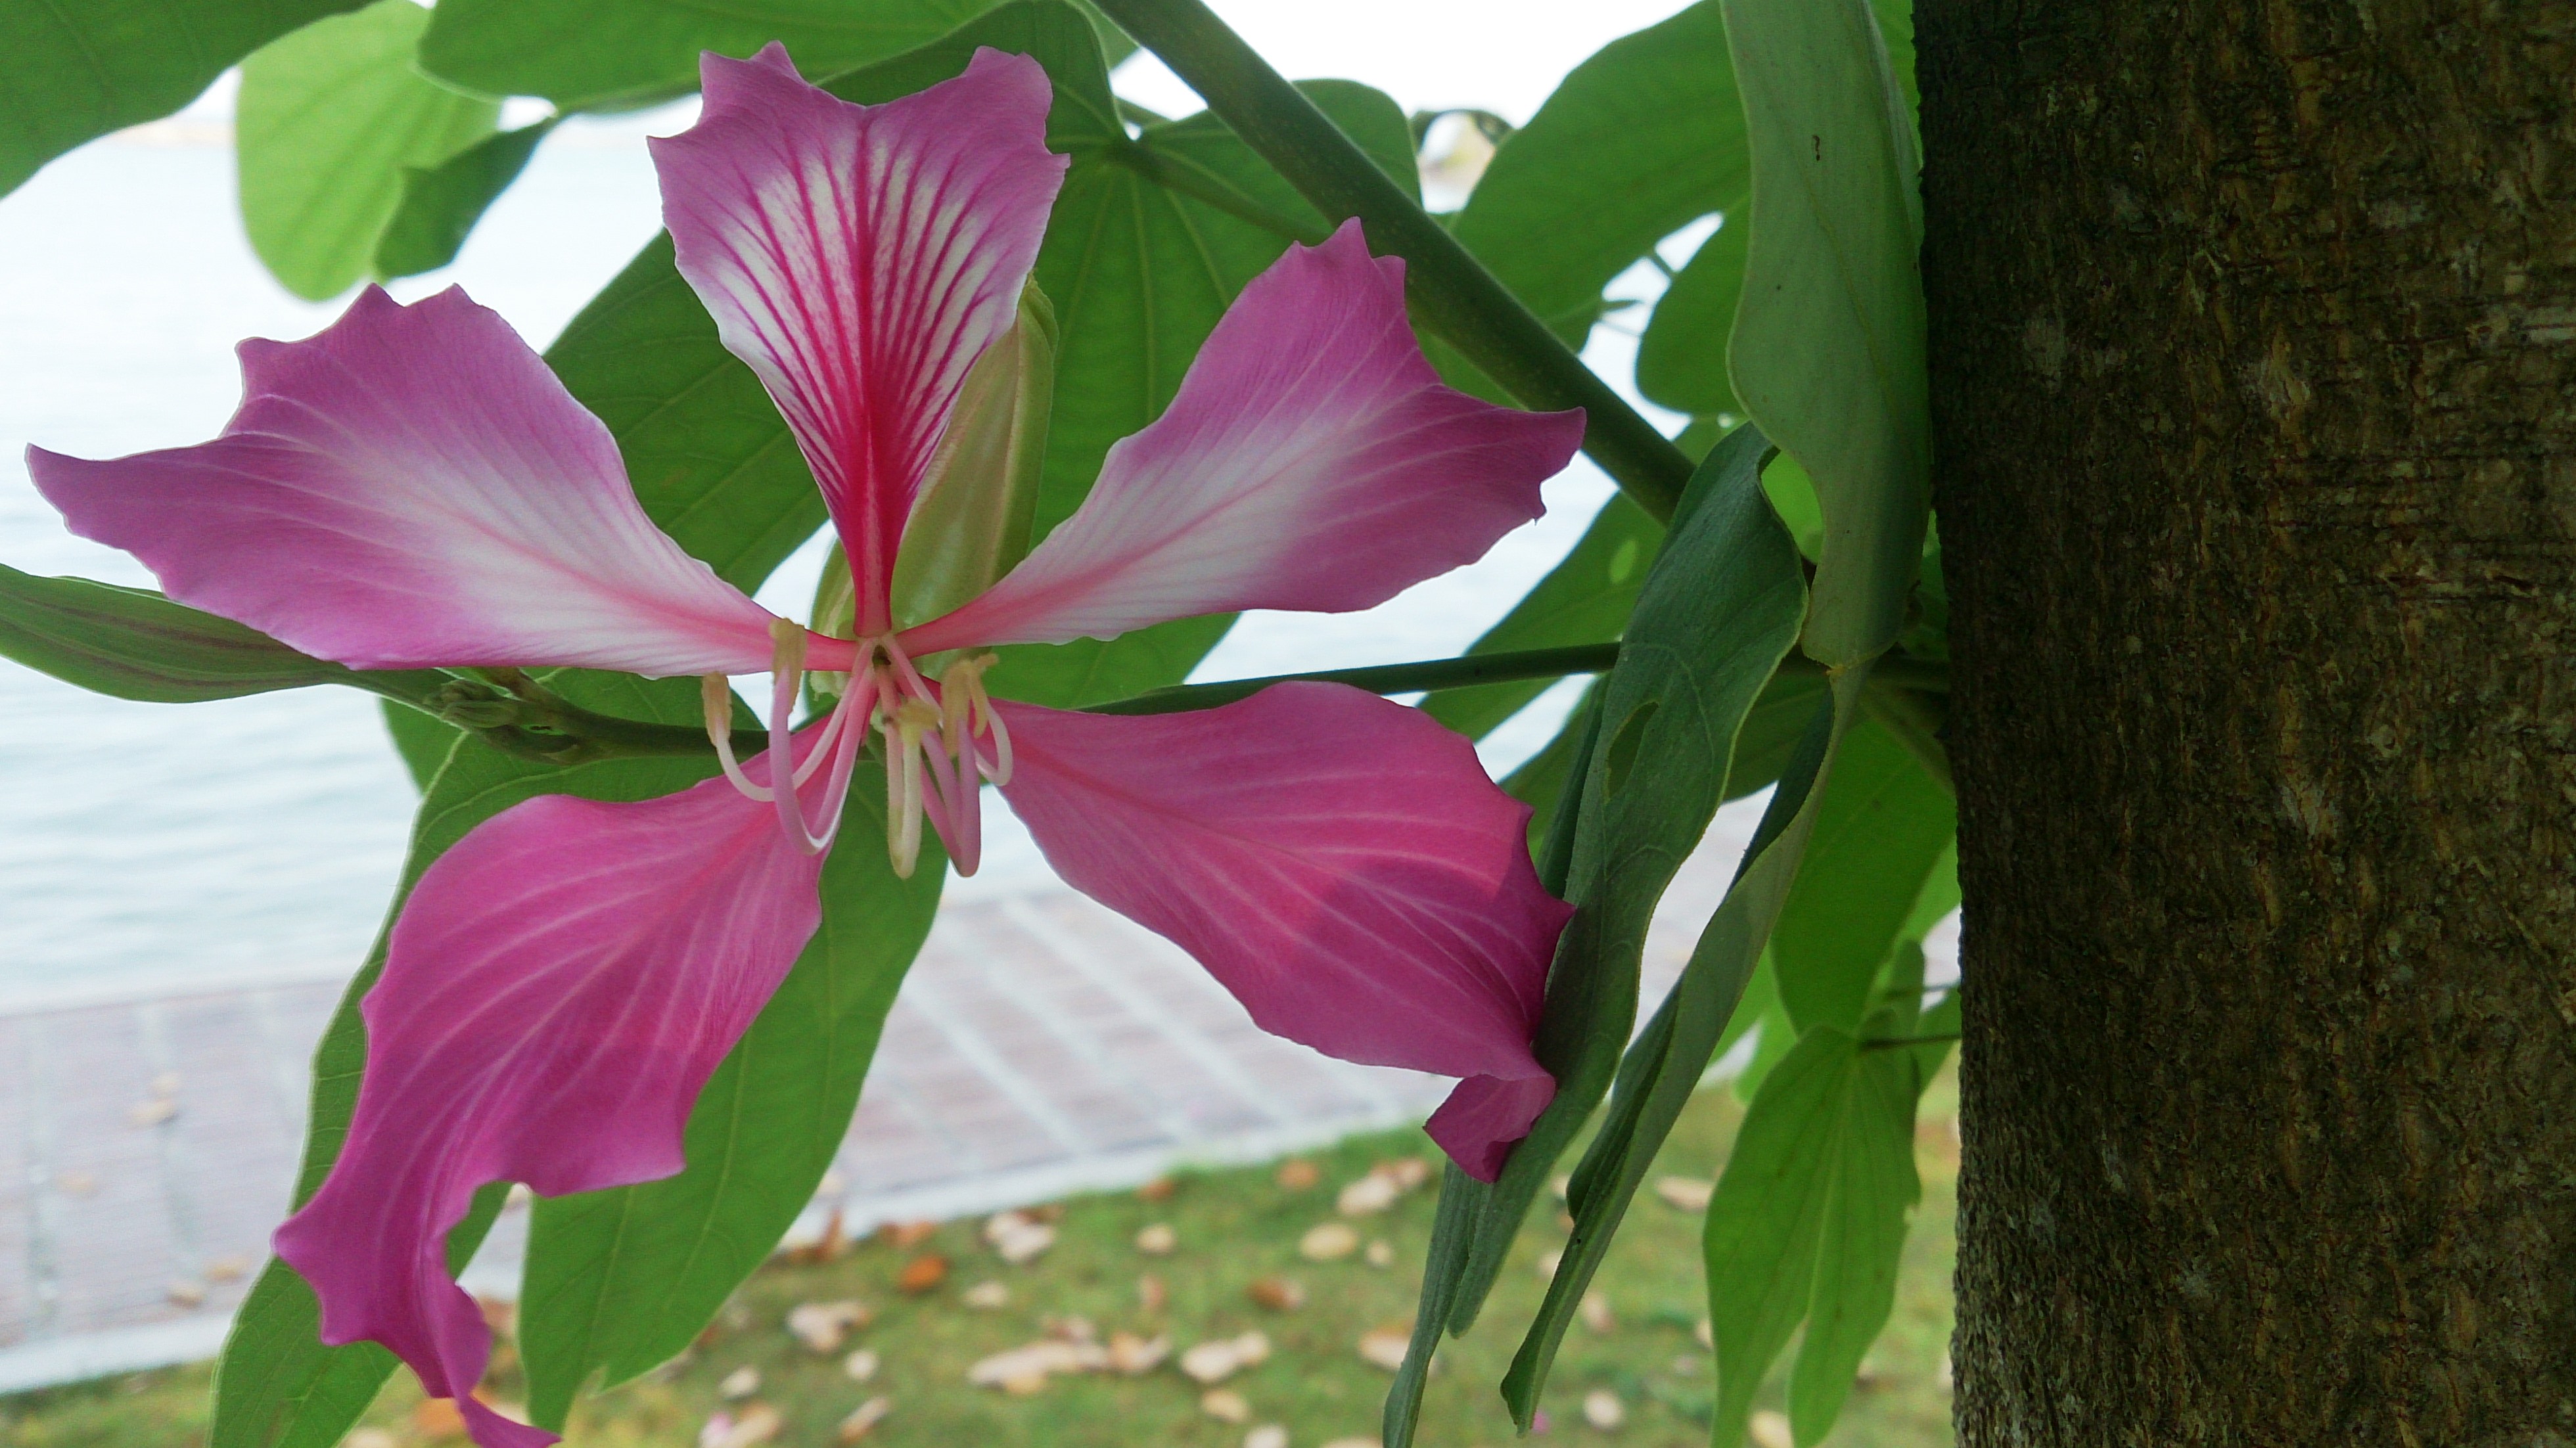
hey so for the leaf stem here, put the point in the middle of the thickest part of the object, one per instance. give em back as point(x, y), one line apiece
point(1384, 678)
point(1891, 1043)
point(1451, 291)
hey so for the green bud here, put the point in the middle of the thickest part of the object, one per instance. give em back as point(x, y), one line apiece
point(979, 502)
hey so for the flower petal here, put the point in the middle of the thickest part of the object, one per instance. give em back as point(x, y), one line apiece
point(1338, 862)
point(558, 988)
point(860, 258)
point(412, 487)
point(1311, 460)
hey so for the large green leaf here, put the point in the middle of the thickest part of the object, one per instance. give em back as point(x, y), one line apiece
point(1584, 599)
point(1719, 610)
point(1681, 361)
point(1827, 352)
point(1097, 671)
point(594, 54)
point(70, 72)
point(329, 120)
point(1639, 140)
point(131, 643)
point(441, 203)
point(1808, 1224)
point(276, 1385)
point(621, 1280)
point(1882, 826)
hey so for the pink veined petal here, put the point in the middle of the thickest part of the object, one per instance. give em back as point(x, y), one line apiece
point(559, 986)
point(413, 487)
point(1340, 863)
point(860, 258)
point(1311, 460)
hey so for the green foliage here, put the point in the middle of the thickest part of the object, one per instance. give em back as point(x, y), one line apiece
point(73, 72)
point(1882, 826)
point(1681, 360)
point(1640, 140)
point(1718, 612)
point(131, 643)
point(609, 54)
point(1584, 599)
point(441, 203)
point(621, 1280)
point(330, 120)
point(1827, 353)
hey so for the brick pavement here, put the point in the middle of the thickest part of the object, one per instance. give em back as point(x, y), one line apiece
point(1040, 1046)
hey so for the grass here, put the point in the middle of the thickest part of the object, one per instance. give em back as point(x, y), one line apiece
point(1232, 1228)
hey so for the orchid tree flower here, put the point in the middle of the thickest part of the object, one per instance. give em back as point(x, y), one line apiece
point(412, 487)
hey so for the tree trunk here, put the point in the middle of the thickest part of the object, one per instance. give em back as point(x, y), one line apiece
point(2254, 381)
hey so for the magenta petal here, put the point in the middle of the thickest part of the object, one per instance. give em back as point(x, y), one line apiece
point(860, 258)
point(413, 487)
point(1312, 460)
point(1338, 862)
point(558, 988)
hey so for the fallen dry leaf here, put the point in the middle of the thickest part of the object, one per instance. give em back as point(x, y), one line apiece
point(824, 1326)
point(1268, 1435)
point(1603, 1410)
point(756, 1424)
point(1225, 1405)
point(1025, 1242)
point(1383, 1346)
point(1354, 1443)
point(1212, 1362)
point(1328, 1242)
point(1151, 1294)
point(187, 1292)
point(437, 1418)
point(742, 1382)
point(864, 1418)
point(1003, 1224)
point(922, 1273)
point(860, 1366)
point(1279, 1294)
point(1380, 1253)
point(1547, 1264)
point(371, 1438)
point(1132, 1355)
point(1560, 1185)
point(1298, 1175)
point(1688, 1194)
point(228, 1269)
point(1160, 1189)
point(500, 1315)
point(826, 1247)
point(1596, 1314)
point(1367, 1196)
point(987, 1296)
point(1025, 1370)
point(1703, 1335)
point(1158, 1240)
point(904, 1236)
point(1072, 1327)
point(1771, 1430)
point(1407, 1172)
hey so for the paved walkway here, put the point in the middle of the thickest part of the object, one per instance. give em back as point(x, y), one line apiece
point(1040, 1046)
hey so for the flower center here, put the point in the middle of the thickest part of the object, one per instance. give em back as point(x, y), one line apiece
point(940, 742)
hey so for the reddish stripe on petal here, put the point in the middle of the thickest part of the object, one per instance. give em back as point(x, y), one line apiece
point(557, 990)
point(860, 258)
point(1340, 863)
point(1311, 460)
point(412, 487)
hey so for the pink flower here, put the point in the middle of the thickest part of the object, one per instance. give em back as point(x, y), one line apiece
point(413, 488)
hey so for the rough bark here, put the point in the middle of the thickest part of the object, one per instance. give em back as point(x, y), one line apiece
point(2254, 374)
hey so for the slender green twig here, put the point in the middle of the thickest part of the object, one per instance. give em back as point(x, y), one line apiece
point(1890, 1043)
point(1385, 678)
point(1452, 292)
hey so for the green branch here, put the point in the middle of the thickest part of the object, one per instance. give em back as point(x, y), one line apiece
point(1451, 291)
point(1384, 678)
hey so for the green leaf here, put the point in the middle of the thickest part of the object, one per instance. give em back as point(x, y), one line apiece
point(608, 54)
point(328, 121)
point(131, 643)
point(1719, 610)
point(1541, 779)
point(1097, 671)
point(441, 203)
point(1827, 353)
point(71, 72)
point(1640, 139)
point(1670, 1056)
point(622, 1280)
point(1584, 599)
point(1808, 1223)
point(276, 1385)
point(1681, 361)
point(422, 740)
point(1769, 738)
point(1881, 828)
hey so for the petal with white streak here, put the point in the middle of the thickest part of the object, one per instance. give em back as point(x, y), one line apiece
point(1340, 863)
point(860, 258)
point(412, 487)
point(1312, 460)
point(559, 986)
